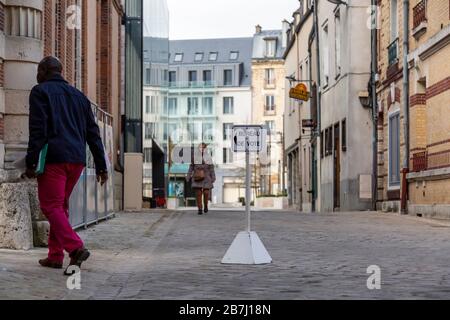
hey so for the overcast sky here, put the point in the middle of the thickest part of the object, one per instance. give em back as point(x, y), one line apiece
point(197, 19)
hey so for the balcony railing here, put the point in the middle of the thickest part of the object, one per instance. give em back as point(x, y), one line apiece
point(393, 52)
point(420, 161)
point(420, 13)
point(192, 84)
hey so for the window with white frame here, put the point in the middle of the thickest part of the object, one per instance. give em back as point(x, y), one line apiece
point(394, 149)
point(199, 56)
point(270, 103)
point(271, 47)
point(325, 56)
point(227, 155)
point(213, 56)
point(207, 106)
point(173, 106)
point(178, 57)
point(270, 76)
point(227, 131)
point(228, 105)
point(337, 42)
point(193, 108)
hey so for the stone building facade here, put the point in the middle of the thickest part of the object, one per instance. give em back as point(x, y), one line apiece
point(268, 99)
point(391, 133)
point(429, 105)
point(298, 138)
point(30, 30)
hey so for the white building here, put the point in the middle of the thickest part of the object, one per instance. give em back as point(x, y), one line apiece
point(203, 91)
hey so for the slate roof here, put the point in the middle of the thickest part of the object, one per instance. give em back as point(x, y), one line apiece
point(223, 47)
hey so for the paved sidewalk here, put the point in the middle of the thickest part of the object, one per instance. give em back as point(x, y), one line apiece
point(176, 255)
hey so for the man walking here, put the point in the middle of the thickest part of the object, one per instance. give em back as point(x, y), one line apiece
point(61, 118)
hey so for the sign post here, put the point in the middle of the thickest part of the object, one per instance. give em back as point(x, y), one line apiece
point(247, 248)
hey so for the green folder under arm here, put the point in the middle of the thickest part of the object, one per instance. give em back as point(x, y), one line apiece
point(42, 158)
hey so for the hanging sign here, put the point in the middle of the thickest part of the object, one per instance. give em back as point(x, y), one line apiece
point(300, 92)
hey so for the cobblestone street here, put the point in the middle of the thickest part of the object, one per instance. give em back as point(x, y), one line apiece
point(176, 255)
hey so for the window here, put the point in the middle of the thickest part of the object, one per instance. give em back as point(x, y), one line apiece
point(394, 150)
point(270, 126)
point(147, 75)
point(207, 77)
point(228, 77)
point(166, 106)
point(172, 77)
point(193, 106)
point(270, 76)
point(328, 143)
point(165, 131)
point(337, 42)
point(213, 56)
point(147, 104)
point(150, 130)
point(199, 56)
point(153, 105)
point(194, 131)
point(234, 55)
point(344, 135)
point(228, 105)
point(207, 106)
point(147, 155)
point(208, 133)
point(178, 57)
point(227, 131)
point(394, 20)
point(192, 77)
point(325, 56)
point(227, 155)
point(173, 106)
point(271, 45)
point(270, 103)
point(322, 145)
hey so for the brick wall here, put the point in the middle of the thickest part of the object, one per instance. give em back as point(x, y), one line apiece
point(2, 18)
point(48, 26)
point(2, 127)
point(105, 60)
point(2, 77)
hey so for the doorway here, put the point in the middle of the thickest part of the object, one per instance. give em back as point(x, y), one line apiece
point(337, 167)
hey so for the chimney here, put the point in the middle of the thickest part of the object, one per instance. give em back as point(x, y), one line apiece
point(284, 30)
point(258, 29)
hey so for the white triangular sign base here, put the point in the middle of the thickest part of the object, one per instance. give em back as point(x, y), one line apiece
point(247, 248)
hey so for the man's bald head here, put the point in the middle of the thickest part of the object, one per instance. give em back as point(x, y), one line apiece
point(48, 67)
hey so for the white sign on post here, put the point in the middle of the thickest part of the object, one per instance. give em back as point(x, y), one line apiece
point(247, 248)
point(248, 138)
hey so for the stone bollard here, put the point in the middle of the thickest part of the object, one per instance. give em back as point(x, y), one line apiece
point(41, 227)
point(16, 230)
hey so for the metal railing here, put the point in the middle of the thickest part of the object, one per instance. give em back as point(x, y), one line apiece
point(90, 203)
point(420, 13)
point(420, 161)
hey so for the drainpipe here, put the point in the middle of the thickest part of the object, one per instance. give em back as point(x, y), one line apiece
point(373, 85)
point(318, 100)
point(404, 202)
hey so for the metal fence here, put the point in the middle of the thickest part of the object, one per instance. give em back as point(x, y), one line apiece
point(91, 203)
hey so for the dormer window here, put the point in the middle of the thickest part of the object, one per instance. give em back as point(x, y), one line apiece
point(234, 55)
point(271, 46)
point(213, 56)
point(178, 57)
point(199, 57)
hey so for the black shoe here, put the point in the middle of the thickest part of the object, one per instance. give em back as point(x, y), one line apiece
point(47, 263)
point(200, 212)
point(76, 259)
point(206, 210)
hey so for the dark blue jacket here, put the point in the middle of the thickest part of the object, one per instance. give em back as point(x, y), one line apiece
point(61, 116)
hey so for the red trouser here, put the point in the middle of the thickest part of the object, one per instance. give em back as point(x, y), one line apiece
point(54, 188)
